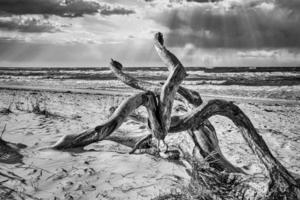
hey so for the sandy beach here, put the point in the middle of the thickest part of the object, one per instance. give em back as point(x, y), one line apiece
point(105, 170)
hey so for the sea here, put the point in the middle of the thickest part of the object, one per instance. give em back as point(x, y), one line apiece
point(255, 82)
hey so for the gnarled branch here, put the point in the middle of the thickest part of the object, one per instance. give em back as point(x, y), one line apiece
point(204, 136)
point(201, 133)
point(102, 131)
point(117, 67)
point(170, 60)
point(167, 96)
point(160, 122)
point(282, 182)
point(190, 95)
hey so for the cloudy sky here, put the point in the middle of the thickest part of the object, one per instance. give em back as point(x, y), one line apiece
point(87, 33)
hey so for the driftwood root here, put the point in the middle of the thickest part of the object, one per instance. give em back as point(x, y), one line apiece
point(158, 100)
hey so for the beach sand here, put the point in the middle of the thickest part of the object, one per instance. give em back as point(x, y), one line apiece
point(105, 170)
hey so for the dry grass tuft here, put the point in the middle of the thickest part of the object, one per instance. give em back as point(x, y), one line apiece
point(8, 110)
point(37, 104)
point(208, 183)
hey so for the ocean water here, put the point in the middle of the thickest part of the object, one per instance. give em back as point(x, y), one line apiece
point(262, 82)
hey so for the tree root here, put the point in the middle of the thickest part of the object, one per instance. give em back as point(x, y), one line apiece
point(159, 102)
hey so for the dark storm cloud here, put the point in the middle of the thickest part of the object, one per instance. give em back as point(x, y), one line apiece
point(108, 10)
point(46, 8)
point(247, 26)
point(63, 8)
point(27, 25)
point(293, 5)
point(180, 1)
point(202, 1)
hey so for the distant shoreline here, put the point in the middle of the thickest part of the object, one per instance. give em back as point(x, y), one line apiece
point(194, 68)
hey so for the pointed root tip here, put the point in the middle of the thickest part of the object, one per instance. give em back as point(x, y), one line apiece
point(159, 37)
point(116, 64)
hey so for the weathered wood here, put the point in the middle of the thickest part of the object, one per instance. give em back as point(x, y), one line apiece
point(170, 87)
point(131, 141)
point(202, 133)
point(233, 112)
point(104, 130)
point(190, 95)
point(207, 145)
point(154, 120)
point(138, 118)
point(282, 182)
point(167, 96)
point(199, 135)
point(138, 145)
point(117, 67)
point(204, 136)
point(170, 60)
point(205, 140)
